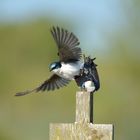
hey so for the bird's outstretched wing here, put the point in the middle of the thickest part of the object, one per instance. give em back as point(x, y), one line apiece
point(54, 82)
point(67, 44)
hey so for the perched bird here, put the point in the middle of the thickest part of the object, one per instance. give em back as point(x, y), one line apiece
point(69, 66)
point(88, 79)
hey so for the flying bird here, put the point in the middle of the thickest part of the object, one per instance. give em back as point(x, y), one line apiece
point(69, 67)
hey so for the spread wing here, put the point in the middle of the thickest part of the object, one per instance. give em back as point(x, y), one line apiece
point(67, 44)
point(54, 82)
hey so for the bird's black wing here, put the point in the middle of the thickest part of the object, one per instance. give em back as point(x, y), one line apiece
point(54, 82)
point(67, 44)
point(95, 76)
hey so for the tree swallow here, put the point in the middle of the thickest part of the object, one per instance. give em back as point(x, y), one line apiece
point(88, 78)
point(69, 67)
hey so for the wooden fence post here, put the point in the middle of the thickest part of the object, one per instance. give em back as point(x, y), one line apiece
point(83, 128)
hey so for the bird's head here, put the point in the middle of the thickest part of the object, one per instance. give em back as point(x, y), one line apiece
point(55, 66)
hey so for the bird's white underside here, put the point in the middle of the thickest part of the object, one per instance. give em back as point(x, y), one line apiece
point(89, 86)
point(69, 70)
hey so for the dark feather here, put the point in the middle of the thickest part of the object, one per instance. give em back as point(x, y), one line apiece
point(67, 44)
point(89, 72)
point(54, 82)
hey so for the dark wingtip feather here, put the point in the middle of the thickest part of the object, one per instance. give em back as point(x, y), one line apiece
point(25, 92)
point(21, 93)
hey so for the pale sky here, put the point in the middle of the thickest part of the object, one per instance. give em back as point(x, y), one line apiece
point(94, 19)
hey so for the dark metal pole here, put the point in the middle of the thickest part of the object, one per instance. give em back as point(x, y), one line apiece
point(91, 107)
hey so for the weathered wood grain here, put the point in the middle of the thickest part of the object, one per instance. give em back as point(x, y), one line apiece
point(82, 107)
point(82, 129)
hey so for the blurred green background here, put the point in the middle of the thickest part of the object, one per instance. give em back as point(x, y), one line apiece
point(108, 30)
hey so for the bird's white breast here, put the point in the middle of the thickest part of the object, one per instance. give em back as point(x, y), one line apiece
point(69, 70)
point(89, 86)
